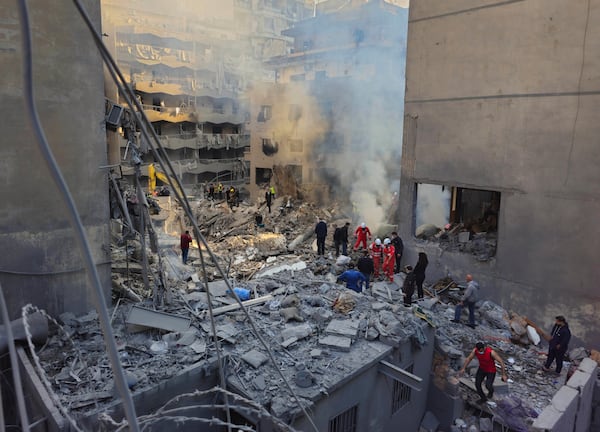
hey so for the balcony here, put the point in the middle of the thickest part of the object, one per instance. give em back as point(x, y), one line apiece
point(157, 113)
point(202, 141)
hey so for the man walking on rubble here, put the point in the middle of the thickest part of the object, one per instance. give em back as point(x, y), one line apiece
point(362, 233)
point(344, 238)
point(376, 250)
point(353, 278)
point(337, 239)
point(389, 259)
point(321, 232)
point(184, 242)
point(558, 341)
point(398, 248)
point(486, 370)
point(365, 266)
point(268, 199)
point(408, 288)
point(469, 299)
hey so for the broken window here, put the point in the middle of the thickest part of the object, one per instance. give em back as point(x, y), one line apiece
point(296, 145)
point(269, 147)
point(344, 422)
point(461, 219)
point(264, 114)
point(294, 112)
point(263, 175)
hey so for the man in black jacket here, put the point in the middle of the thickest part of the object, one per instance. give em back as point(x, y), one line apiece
point(344, 238)
point(337, 239)
point(398, 248)
point(365, 266)
point(321, 232)
point(558, 343)
point(408, 288)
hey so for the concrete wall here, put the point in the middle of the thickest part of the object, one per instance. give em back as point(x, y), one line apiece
point(40, 262)
point(571, 407)
point(504, 96)
point(372, 391)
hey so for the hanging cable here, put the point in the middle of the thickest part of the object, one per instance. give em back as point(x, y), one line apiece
point(80, 235)
point(177, 186)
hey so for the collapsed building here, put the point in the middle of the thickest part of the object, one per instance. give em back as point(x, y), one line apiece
point(189, 67)
point(363, 365)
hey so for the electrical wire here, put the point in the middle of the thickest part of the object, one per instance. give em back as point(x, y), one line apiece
point(74, 218)
point(176, 186)
point(16, 370)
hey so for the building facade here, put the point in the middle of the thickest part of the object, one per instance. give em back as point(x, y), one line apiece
point(41, 263)
point(501, 107)
point(189, 65)
point(334, 116)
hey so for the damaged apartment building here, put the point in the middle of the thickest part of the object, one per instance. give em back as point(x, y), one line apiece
point(500, 153)
point(189, 65)
point(335, 111)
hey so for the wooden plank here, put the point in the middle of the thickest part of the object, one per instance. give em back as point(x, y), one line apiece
point(232, 307)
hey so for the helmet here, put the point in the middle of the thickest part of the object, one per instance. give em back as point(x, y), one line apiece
point(378, 242)
point(387, 241)
point(363, 225)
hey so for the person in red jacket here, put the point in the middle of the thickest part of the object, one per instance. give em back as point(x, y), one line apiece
point(362, 233)
point(184, 243)
point(486, 370)
point(389, 259)
point(376, 249)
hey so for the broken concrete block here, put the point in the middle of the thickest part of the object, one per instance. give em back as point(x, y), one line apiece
point(187, 338)
point(255, 358)
point(321, 315)
point(259, 382)
point(336, 342)
point(291, 313)
point(304, 379)
point(372, 334)
point(324, 289)
point(297, 331)
point(199, 346)
point(588, 365)
point(377, 306)
point(291, 300)
point(578, 354)
point(347, 328)
point(316, 353)
point(290, 341)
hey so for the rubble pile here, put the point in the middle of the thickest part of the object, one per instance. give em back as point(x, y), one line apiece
point(318, 331)
point(457, 238)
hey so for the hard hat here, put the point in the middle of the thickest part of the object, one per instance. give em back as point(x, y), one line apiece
point(378, 242)
point(363, 225)
point(387, 241)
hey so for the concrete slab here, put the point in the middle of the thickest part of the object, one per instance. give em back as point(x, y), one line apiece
point(255, 358)
point(139, 319)
point(588, 365)
point(336, 342)
point(347, 328)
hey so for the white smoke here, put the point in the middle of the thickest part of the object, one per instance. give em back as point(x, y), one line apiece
point(433, 205)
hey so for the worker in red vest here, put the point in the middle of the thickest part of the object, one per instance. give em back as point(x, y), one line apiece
point(486, 370)
point(376, 250)
point(362, 233)
point(389, 259)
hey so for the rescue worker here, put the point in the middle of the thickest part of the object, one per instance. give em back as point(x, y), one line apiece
point(399, 248)
point(220, 190)
point(376, 250)
point(389, 259)
point(362, 234)
point(353, 278)
point(272, 191)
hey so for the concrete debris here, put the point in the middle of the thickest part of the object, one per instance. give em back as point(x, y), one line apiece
point(429, 423)
point(318, 331)
point(255, 358)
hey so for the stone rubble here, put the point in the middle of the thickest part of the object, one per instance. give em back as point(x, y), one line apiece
point(317, 330)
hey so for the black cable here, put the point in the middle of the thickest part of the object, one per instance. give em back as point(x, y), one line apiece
point(75, 220)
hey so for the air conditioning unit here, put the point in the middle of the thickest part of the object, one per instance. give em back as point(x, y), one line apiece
point(113, 119)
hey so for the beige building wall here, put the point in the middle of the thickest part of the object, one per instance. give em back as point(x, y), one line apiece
point(505, 96)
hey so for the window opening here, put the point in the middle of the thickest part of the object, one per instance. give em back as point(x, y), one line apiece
point(344, 422)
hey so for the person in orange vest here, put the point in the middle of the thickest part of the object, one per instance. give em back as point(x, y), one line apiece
point(389, 259)
point(377, 254)
point(362, 233)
